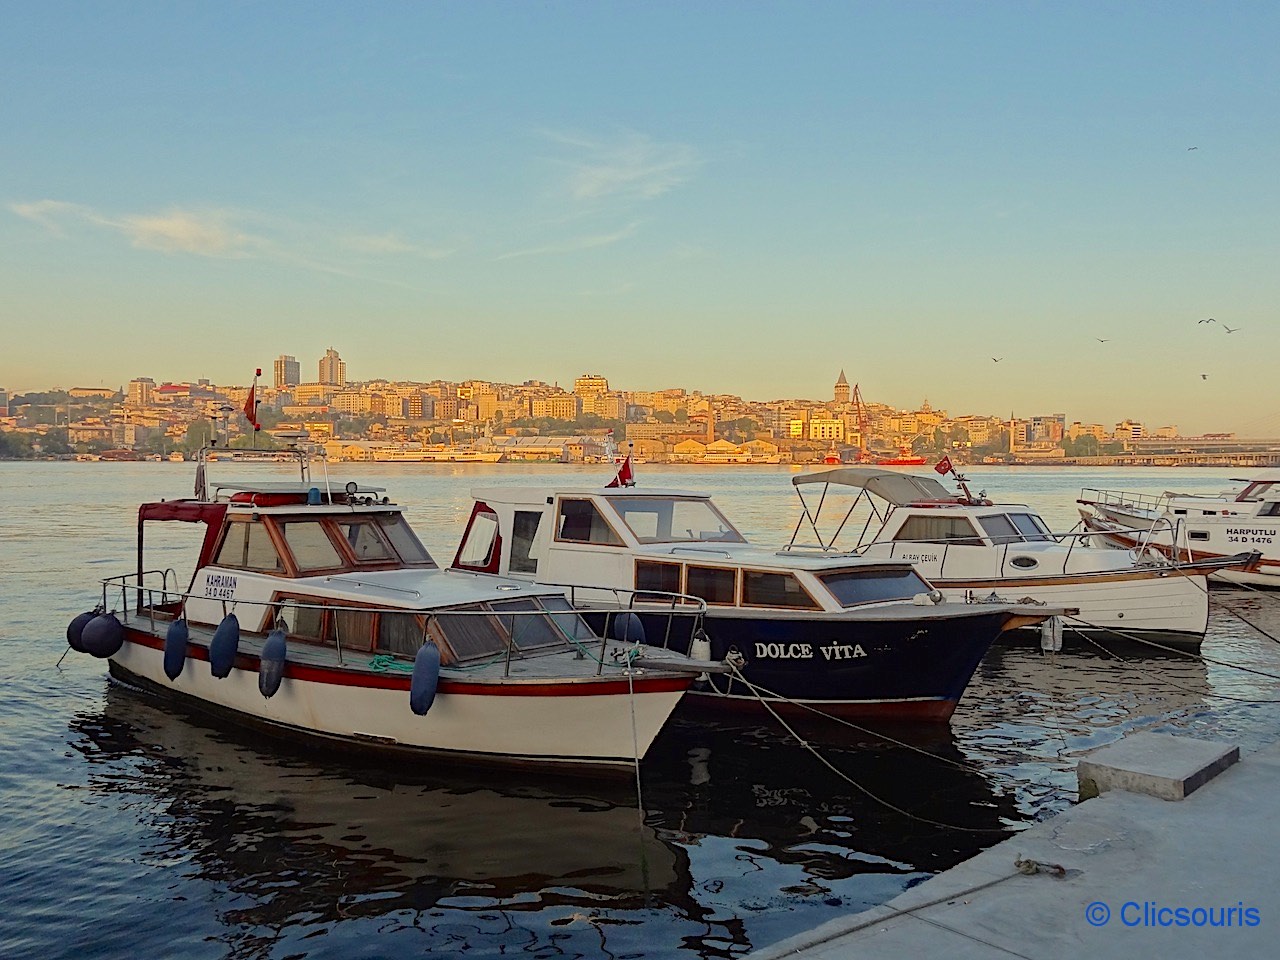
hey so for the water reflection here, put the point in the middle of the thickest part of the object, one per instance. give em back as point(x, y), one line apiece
point(746, 837)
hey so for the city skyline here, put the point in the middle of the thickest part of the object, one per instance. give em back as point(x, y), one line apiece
point(676, 194)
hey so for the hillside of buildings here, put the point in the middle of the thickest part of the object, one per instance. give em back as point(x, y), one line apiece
point(406, 420)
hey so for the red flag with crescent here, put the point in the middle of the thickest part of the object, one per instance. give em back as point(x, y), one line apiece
point(943, 466)
point(251, 407)
point(625, 477)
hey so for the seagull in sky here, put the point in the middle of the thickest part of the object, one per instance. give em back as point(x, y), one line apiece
point(1230, 329)
point(996, 359)
point(1204, 376)
point(1100, 340)
point(1193, 148)
point(1209, 320)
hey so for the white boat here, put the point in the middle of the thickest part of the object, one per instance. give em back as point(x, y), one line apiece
point(436, 454)
point(315, 611)
point(841, 634)
point(966, 545)
point(1192, 526)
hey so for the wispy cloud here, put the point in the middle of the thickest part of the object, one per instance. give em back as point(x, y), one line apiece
point(221, 234)
point(393, 244)
point(204, 233)
point(575, 244)
point(634, 166)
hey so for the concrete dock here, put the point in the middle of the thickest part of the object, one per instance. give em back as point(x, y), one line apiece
point(1120, 875)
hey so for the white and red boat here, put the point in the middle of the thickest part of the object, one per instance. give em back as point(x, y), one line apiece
point(315, 611)
point(1195, 526)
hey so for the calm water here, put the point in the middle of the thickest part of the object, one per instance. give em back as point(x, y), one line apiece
point(130, 829)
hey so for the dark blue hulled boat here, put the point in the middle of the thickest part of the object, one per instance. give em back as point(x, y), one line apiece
point(836, 632)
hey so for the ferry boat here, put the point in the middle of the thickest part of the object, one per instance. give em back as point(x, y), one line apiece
point(837, 633)
point(966, 545)
point(1189, 526)
point(315, 611)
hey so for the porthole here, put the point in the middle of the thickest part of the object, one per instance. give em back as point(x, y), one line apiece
point(1026, 563)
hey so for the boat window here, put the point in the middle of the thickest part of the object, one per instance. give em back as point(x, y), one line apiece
point(1030, 526)
point(529, 627)
point(399, 633)
point(365, 541)
point(1271, 509)
point(852, 587)
point(1198, 534)
point(939, 529)
point(712, 584)
point(403, 538)
point(249, 546)
point(568, 619)
point(1000, 528)
point(675, 520)
point(524, 531)
point(657, 577)
point(304, 623)
point(1255, 491)
point(350, 629)
point(774, 590)
point(471, 635)
point(477, 548)
point(581, 522)
point(310, 545)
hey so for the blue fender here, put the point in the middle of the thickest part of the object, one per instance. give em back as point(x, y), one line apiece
point(103, 636)
point(271, 663)
point(626, 627)
point(426, 677)
point(175, 648)
point(76, 628)
point(223, 646)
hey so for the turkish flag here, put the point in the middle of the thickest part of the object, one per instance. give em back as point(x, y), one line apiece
point(251, 407)
point(625, 478)
point(943, 466)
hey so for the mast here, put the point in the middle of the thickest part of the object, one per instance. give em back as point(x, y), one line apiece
point(860, 411)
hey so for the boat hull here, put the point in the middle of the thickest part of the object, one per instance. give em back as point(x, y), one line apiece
point(891, 668)
point(581, 722)
point(1129, 531)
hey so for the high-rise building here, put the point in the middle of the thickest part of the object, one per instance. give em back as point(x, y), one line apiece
point(288, 372)
point(140, 392)
point(333, 369)
point(842, 389)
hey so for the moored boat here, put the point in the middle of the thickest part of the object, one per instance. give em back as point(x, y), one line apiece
point(1191, 526)
point(315, 611)
point(841, 634)
point(966, 545)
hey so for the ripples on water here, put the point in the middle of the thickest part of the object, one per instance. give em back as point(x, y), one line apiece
point(133, 829)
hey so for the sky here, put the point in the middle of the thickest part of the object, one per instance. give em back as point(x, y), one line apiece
point(949, 201)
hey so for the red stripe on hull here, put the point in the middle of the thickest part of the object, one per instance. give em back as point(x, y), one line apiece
point(307, 673)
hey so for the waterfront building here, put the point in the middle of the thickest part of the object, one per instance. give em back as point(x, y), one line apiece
point(826, 428)
point(564, 406)
point(288, 372)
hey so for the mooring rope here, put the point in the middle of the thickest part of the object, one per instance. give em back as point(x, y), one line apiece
point(845, 777)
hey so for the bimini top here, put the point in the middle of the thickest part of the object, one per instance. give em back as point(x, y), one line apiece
point(899, 489)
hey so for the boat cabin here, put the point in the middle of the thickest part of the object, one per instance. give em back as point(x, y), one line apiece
point(341, 568)
point(947, 535)
point(660, 546)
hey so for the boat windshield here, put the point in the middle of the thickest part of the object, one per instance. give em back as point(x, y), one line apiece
point(854, 587)
point(675, 520)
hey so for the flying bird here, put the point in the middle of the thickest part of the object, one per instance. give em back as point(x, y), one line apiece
point(1204, 376)
point(1230, 329)
point(996, 359)
point(1210, 320)
point(1193, 148)
point(1100, 340)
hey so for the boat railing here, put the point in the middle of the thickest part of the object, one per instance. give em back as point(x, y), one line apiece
point(683, 605)
point(1124, 499)
point(167, 599)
